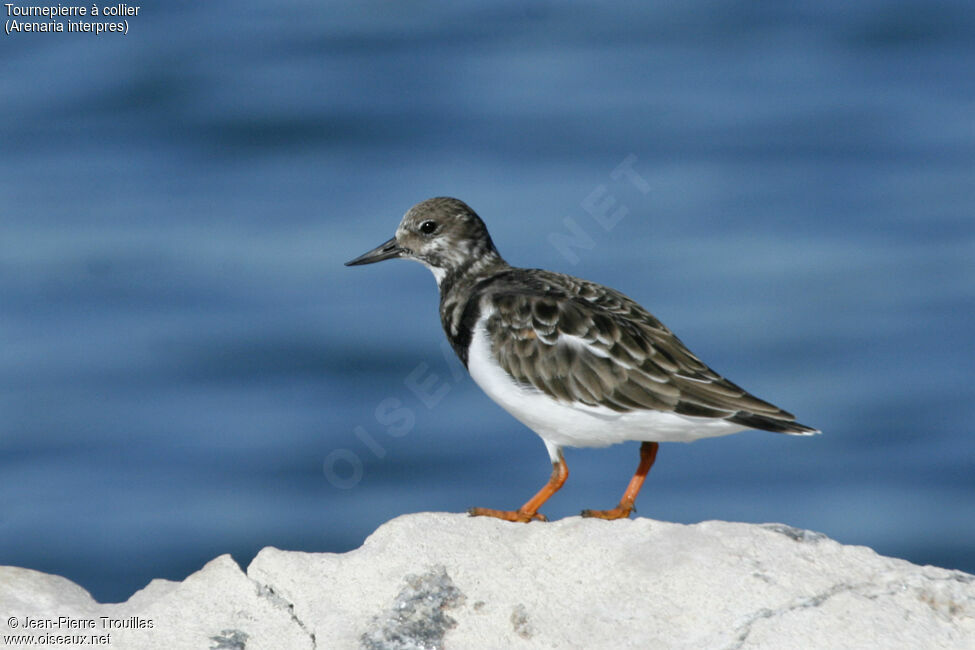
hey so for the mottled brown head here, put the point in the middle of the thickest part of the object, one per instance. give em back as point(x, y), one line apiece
point(443, 234)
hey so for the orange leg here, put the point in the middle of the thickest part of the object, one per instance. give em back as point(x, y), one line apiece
point(529, 511)
point(648, 453)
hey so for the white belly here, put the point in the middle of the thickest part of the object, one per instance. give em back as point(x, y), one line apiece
point(579, 425)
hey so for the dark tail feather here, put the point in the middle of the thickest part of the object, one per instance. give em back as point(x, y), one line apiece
point(766, 423)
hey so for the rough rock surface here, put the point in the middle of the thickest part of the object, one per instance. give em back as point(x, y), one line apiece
point(451, 581)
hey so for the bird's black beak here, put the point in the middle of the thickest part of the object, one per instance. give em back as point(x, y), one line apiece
point(385, 251)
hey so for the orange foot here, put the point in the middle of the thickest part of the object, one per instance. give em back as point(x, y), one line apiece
point(529, 511)
point(508, 515)
point(622, 511)
point(648, 454)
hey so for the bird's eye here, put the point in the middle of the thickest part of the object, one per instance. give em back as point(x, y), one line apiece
point(428, 227)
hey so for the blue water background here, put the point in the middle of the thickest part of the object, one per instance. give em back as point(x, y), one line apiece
point(183, 355)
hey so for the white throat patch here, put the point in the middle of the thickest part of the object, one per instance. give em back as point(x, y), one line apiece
point(438, 273)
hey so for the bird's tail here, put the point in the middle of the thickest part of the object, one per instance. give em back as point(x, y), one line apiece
point(784, 424)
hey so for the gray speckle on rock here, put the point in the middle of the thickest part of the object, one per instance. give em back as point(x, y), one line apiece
point(267, 591)
point(745, 626)
point(520, 622)
point(797, 534)
point(229, 640)
point(417, 619)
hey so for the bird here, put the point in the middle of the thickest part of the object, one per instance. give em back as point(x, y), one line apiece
point(578, 363)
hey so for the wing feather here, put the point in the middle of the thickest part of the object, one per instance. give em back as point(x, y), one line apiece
point(577, 341)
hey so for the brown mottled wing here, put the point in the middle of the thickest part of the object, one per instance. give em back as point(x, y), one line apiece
point(576, 340)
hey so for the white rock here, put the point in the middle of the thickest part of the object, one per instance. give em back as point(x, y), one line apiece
point(451, 581)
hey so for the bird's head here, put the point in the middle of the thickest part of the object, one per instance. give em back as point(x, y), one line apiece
point(443, 234)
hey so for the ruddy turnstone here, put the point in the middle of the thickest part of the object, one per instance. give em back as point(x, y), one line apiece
point(578, 363)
